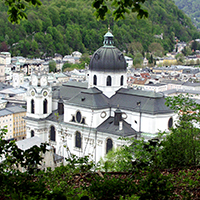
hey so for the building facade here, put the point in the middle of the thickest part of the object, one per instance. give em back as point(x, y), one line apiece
point(88, 119)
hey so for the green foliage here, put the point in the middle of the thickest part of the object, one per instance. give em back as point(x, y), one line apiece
point(116, 160)
point(156, 49)
point(16, 9)
point(111, 188)
point(182, 146)
point(191, 8)
point(180, 58)
point(63, 27)
point(142, 159)
point(52, 66)
point(119, 8)
point(187, 51)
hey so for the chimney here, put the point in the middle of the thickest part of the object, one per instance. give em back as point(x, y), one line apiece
point(60, 107)
point(60, 104)
point(118, 117)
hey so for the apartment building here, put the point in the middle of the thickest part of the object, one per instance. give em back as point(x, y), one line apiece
point(12, 117)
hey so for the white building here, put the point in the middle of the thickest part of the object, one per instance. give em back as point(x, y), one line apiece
point(88, 119)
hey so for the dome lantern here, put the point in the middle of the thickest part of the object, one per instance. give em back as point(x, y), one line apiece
point(108, 39)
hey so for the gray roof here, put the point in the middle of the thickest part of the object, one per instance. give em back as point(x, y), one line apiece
point(108, 59)
point(11, 110)
point(173, 82)
point(68, 90)
point(53, 117)
point(167, 92)
point(29, 142)
point(108, 127)
point(191, 84)
point(3, 86)
point(151, 102)
point(90, 98)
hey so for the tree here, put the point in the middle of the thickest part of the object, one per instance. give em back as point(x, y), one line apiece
point(156, 49)
point(187, 51)
point(138, 59)
point(119, 8)
point(3, 46)
point(16, 9)
point(52, 66)
point(182, 146)
point(180, 58)
point(135, 47)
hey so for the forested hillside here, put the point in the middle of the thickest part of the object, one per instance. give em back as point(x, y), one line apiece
point(191, 8)
point(67, 25)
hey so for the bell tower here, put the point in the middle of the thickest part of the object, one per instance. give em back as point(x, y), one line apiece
point(39, 96)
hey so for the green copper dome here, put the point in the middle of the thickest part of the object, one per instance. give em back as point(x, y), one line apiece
point(108, 58)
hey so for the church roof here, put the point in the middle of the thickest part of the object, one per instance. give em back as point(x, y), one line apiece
point(150, 102)
point(108, 58)
point(68, 90)
point(108, 127)
point(91, 98)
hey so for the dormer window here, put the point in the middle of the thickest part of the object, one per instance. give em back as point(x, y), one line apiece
point(78, 118)
point(95, 80)
point(109, 81)
point(122, 80)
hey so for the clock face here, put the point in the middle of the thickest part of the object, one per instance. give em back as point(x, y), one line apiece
point(32, 92)
point(45, 93)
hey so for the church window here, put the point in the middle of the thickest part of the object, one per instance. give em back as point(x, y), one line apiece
point(32, 133)
point(52, 133)
point(45, 106)
point(122, 80)
point(78, 117)
point(32, 106)
point(109, 145)
point(109, 81)
point(78, 140)
point(170, 122)
point(95, 80)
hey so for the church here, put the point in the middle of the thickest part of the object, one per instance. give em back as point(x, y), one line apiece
point(88, 118)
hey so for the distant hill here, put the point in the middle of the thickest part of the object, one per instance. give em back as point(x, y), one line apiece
point(191, 8)
point(67, 25)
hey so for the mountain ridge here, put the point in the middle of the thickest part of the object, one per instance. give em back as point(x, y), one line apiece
point(65, 26)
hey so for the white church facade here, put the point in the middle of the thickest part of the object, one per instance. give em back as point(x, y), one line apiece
point(88, 119)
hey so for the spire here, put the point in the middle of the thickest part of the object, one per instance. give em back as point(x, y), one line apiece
point(108, 38)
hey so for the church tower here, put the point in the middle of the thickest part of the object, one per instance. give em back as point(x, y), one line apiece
point(107, 68)
point(39, 96)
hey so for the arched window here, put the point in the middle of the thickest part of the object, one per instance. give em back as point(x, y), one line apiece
point(78, 140)
point(32, 106)
point(95, 80)
point(32, 133)
point(109, 81)
point(45, 106)
point(109, 145)
point(52, 134)
point(170, 122)
point(122, 80)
